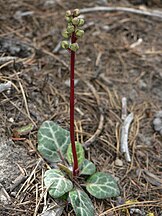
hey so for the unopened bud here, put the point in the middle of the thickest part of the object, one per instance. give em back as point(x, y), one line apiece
point(79, 33)
point(65, 34)
point(70, 29)
point(65, 44)
point(74, 47)
point(81, 22)
point(75, 21)
point(68, 19)
point(68, 13)
point(76, 12)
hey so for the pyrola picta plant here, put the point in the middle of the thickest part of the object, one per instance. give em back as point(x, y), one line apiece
point(59, 148)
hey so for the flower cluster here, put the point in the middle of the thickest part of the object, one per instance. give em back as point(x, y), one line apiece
point(72, 31)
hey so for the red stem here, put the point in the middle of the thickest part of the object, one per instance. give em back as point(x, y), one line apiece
point(72, 133)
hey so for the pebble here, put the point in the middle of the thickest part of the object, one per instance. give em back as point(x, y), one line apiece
point(158, 114)
point(118, 162)
point(133, 95)
point(142, 85)
point(11, 120)
point(157, 122)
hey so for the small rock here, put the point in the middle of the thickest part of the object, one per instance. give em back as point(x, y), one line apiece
point(133, 95)
point(11, 120)
point(118, 162)
point(158, 114)
point(142, 85)
point(106, 27)
point(157, 122)
point(136, 43)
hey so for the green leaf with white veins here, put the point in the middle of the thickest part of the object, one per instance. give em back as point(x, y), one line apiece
point(87, 168)
point(57, 183)
point(52, 139)
point(81, 203)
point(79, 151)
point(102, 186)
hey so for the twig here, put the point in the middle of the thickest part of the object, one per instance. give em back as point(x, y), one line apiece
point(6, 63)
point(5, 86)
point(124, 108)
point(151, 13)
point(40, 199)
point(27, 182)
point(20, 110)
point(127, 119)
point(23, 94)
point(129, 205)
point(5, 59)
point(124, 136)
point(18, 15)
point(57, 47)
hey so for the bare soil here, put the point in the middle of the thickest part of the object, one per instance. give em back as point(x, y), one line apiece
point(120, 55)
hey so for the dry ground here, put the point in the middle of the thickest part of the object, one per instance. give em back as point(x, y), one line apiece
point(108, 67)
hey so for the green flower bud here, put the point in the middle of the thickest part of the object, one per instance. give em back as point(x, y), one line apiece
point(68, 19)
point(81, 22)
point(65, 34)
point(68, 13)
point(74, 47)
point(70, 29)
point(79, 33)
point(65, 44)
point(75, 21)
point(76, 12)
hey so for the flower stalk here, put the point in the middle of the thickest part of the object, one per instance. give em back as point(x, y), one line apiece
point(72, 98)
point(74, 33)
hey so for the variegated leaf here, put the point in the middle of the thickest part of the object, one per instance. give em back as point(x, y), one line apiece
point(56, 183)
point(81, 203)
point(87, 168)
point(102, 186)
point(51, 140)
